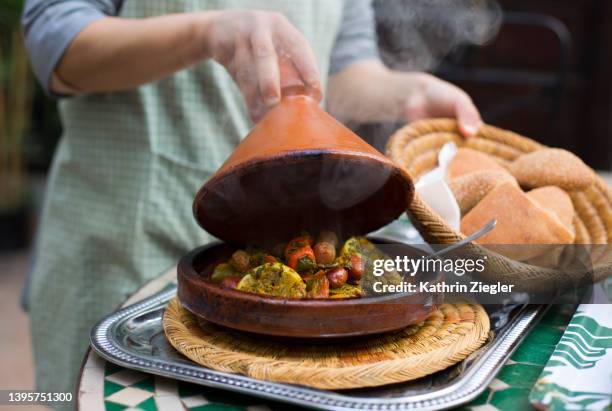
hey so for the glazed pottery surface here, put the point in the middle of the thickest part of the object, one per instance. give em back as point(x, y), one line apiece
point(300, 169)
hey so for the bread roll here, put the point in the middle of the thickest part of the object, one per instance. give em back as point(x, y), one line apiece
point(468, 161)
point(554, 199)
point(520, 221)
point(552, 167)
point(470, 188)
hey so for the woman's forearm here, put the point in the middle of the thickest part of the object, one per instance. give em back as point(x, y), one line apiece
point(370, 92)
point(116, 54)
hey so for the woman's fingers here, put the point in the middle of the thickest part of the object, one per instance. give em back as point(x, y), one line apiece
point(296, 47)
point(249, 44)
point(415, 107)
point(467, 115)
point(438, 98)
point(245, 76)
point(266, 65)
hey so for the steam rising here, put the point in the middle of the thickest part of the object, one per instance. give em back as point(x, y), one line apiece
point(417, 34)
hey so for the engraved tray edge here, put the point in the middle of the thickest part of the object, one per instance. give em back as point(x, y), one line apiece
point(465, 387)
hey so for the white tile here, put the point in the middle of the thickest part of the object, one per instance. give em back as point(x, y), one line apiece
point(194, 401)
point(168, 403)
point(486, 407)
point(498, 385)
point(130, 396)
point(126, 377)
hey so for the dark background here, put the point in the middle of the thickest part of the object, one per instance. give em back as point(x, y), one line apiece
point(545, 72)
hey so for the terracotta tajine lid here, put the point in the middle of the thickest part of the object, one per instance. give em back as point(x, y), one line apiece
point(300, 169)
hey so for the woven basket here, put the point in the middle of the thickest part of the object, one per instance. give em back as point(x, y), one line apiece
point(416, 147)
point(447, 336)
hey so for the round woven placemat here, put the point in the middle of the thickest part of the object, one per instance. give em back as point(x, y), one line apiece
point(446, 337)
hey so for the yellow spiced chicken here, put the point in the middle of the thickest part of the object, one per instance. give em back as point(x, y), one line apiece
point(303, 268)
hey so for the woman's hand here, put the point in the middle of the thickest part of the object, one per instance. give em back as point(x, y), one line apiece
point(397, 96)
point(433, 97)
point(249, 45)
point(114, 53)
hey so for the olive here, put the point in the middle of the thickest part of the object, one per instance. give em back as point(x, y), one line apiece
point(357, 268)
point(222, 271)
point(325, 253)
point(327, 236)
point(337, 277)
point(231, 282)
point(241, 261)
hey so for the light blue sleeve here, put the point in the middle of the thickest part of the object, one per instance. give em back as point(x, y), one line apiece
point(50, 26)
point(356, 39)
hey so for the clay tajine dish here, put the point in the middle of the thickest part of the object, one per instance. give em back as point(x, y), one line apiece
point(297, 318)
point(298, 169)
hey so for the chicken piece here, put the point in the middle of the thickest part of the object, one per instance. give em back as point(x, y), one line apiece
point(275, 279)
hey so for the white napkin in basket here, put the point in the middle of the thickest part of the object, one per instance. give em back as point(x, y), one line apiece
point(434, 190)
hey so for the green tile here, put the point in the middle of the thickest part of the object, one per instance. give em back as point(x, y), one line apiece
point(519, 375)
point(147, 384)
point(512, 399)
point(531, 355)
point(545, 335)
point(113, 406)
point(483, 398)
point(558, 315)
point(148, 404)
point(187, 390)
point(111, 368)
point(110, 388)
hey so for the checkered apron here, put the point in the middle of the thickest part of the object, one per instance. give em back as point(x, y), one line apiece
point(118, 206)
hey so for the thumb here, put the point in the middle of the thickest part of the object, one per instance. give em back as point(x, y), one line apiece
point(468, 116)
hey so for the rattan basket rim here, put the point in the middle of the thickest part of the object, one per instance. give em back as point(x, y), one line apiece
point(410, 144)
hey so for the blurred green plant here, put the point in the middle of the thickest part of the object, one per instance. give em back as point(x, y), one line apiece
point(16, 93)
point(10, 12)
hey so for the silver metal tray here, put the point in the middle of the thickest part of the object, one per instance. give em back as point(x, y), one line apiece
point(133, 337)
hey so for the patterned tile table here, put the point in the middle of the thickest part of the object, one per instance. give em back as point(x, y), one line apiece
point(105, 386)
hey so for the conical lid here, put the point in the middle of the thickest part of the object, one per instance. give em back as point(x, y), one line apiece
point(300, 169)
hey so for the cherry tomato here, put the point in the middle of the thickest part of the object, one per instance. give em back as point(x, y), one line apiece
point(301, 259)
point(317, 285)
